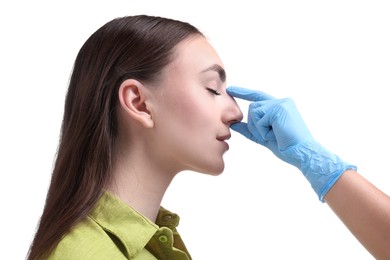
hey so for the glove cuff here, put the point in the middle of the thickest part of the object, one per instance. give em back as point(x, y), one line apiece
point(320, 167)
point(334, 178)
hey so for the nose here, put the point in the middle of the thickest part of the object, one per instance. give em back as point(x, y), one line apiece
point(232, 112)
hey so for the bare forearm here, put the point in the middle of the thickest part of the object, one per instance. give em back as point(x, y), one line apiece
point(365, 210)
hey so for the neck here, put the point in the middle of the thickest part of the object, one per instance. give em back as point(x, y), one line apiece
point(139, 183)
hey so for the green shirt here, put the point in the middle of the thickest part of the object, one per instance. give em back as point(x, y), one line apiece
point(113, 230)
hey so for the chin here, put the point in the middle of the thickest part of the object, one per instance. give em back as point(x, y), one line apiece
point(215, 170)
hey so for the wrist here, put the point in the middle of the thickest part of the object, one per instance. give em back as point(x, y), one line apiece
point(320, 167)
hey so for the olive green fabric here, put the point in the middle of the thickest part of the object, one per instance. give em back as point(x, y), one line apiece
point(113, 230)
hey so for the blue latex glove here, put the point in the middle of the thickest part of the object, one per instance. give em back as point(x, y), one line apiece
point(277, 125)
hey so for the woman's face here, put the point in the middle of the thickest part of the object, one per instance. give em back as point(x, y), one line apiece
point(192, 111)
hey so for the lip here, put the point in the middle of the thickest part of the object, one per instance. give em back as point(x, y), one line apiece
point(223, 138)
point(225, 145)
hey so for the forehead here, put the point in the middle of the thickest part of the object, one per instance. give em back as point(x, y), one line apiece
point(194, 55)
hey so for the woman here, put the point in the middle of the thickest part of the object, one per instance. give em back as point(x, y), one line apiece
point(146, 101)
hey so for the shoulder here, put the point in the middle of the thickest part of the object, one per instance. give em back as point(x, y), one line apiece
point(87, 240)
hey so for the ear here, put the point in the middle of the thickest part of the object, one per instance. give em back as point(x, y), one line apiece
point(133, 97)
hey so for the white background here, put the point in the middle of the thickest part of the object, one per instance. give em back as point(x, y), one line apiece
point(332, 57)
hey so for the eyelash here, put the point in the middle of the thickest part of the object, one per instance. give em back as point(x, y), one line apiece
point(214, 91)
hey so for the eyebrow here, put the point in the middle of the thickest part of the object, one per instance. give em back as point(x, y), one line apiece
point(217, 68)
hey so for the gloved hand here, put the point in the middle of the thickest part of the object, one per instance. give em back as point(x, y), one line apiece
point(277, 125)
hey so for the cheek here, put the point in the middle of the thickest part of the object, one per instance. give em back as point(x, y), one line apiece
point(192, 109)
point(192, 112)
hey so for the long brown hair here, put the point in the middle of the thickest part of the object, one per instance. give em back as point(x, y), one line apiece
point(128, 47)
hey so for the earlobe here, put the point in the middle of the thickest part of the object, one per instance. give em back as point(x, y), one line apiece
point(133, 97)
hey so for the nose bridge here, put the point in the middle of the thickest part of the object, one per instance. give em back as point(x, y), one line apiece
point(232, 112)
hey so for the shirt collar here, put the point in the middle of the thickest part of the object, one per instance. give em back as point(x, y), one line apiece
point(130, 227)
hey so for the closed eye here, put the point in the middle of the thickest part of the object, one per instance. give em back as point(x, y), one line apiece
point(214, 91)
